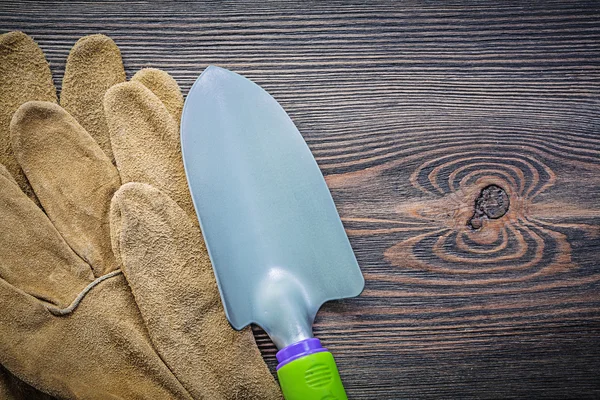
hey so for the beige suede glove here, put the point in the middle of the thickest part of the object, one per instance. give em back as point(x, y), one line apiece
point(107, 290)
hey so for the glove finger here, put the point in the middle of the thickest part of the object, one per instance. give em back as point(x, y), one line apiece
point(24, 76)
point(93, 66)
point(72, 177)
point(168, 269)
point(34, 257)
point(145, 139)
point(164, 87)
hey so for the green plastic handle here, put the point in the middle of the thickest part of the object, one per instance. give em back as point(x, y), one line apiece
point(311, 377)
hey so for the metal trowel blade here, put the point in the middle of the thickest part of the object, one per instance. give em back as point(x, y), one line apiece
point(276, 242)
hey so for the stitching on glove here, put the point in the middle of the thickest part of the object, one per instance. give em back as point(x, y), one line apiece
point(64, 311)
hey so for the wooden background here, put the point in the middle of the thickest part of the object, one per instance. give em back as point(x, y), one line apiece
point(411, 109)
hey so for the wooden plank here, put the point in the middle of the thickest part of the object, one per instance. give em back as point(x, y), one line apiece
point(412, 110)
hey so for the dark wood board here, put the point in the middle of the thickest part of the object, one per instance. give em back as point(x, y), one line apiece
point(412, 109)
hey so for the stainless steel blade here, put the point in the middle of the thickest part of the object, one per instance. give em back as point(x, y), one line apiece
point(276, 242)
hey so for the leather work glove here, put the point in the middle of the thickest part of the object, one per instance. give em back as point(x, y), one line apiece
point(107, 290)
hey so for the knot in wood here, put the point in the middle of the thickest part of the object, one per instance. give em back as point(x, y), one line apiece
point(491, 203)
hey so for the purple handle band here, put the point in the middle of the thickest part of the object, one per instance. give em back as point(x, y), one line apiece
point(297, 350)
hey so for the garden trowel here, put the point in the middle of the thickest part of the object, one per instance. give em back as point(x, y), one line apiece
point(276, 242)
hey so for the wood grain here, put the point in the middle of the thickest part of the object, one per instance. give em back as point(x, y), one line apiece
point(411, 110)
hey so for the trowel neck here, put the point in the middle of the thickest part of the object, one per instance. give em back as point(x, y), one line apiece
point(290, 331)
point(284, 308)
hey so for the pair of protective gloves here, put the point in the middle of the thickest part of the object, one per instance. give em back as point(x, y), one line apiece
point(106, 288)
